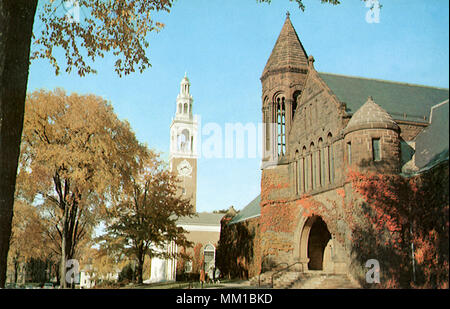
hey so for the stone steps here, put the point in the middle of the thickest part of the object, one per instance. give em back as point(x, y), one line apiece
point(286, 280)
point(306, 280)
point(327, 281)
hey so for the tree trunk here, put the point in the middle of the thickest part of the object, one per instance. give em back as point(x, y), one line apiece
point(62, 266)
point(16, 25)
point(140, 269)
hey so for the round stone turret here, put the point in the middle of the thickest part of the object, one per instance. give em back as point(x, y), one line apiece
point(372, 140)
point(370, 116)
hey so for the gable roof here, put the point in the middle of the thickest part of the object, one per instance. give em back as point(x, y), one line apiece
point(288, 50)
point(433, 142)
point(252, 210)
point(401, 100)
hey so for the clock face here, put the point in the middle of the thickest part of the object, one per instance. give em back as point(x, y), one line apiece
point(184, 168)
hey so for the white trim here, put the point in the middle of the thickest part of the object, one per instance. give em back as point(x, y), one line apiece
point(200, 228)
point(436, 106)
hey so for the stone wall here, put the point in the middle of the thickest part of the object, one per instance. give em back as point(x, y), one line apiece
point(284, 221)
point(409, 130)
point(367, 218)
point(361, 142)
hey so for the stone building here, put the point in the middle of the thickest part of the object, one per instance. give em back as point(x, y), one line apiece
point(318, 127)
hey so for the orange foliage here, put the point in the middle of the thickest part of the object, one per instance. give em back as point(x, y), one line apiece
point(403, 212)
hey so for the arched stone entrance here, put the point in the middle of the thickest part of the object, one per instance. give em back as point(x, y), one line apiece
point(318, 239)
point(314, 246)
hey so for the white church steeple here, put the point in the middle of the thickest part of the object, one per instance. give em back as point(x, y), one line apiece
point(183, 130)
point(184, 99)
point(183, 143)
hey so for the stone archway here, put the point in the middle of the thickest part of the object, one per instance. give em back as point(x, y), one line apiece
point(317, 242)
point(314, 240)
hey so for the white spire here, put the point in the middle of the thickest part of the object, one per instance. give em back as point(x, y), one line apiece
point(184, 126)
point(184, 99)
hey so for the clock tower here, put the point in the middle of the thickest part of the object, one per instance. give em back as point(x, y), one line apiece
point(183, 143)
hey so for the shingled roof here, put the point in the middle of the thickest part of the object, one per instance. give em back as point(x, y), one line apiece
point(371, 116)
point(288, 51)
point(433, 142)
point(401, 100)
point(252, 210)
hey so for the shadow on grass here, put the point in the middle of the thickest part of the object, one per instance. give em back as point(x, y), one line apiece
point(226, 284)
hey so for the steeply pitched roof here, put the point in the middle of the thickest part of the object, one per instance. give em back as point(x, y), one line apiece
point(401, 100)
point(288, 50)
point(252, 210)
point(432, 143)
point(370, 116)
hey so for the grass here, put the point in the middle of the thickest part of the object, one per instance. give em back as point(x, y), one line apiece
point(184, 285)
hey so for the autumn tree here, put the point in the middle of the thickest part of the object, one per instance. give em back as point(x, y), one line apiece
point(101, 265)
point(119, 27)
point(51, 218)
point(143, 221)
point(27, 238)
point(76, 154)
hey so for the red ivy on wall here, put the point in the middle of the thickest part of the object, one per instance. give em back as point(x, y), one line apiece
point(408, 222)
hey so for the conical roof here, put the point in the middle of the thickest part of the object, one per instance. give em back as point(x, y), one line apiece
point(288, 50)
point(370, 116)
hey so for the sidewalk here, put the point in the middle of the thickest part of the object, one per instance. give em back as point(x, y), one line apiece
point(241, 284)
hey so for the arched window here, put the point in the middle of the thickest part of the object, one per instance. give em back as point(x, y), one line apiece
point(349, 153)
point(209, 252)
point(310, 115)
point(304, 117)
point(330, 157)
point(183, 140)
point(304, 185)
point(312, 167)
point(320, 168)
point(294, 103)
point(185, 108)
point(281, 126)
point(267, 121)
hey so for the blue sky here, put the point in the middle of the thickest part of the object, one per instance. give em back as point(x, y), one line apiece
point(224, 45)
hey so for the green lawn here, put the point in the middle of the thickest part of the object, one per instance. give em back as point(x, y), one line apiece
point(183, 285)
